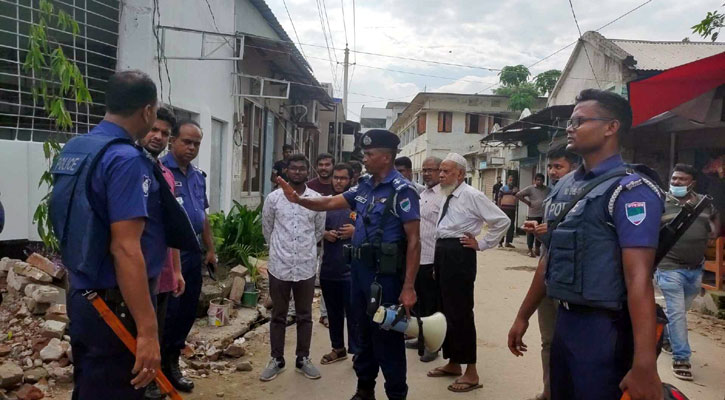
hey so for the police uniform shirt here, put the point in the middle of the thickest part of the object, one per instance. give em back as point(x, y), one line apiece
point(123, 187)
point(368, 202)
point(190, 191)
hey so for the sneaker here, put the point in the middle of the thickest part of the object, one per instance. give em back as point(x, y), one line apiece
point(305, 367)
point(273, 369)
point(429, 356)
point(411, 344)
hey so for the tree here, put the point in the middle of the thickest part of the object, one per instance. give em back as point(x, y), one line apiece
point(521, 92)
point(58, 81)
point(546, 81)
point(710, 26)
point(511, 76)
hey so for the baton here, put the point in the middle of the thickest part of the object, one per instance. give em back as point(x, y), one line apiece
point(122, 333)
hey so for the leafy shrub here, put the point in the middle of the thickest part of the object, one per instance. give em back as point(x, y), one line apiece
point(238, 236)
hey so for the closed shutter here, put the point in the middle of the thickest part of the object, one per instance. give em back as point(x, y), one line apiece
point(468, 123)
point(421, 123)
point(449, 121)
point(441, 122)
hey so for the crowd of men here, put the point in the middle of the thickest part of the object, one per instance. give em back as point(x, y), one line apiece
point(377, 238)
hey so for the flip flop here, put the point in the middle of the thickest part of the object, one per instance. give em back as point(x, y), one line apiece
point(439, 373)
point(467, 387)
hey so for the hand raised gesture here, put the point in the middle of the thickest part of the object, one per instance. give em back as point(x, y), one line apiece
point(289, 193)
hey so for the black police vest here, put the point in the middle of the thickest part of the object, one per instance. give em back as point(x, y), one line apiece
point(83, 235)
point(585, 260)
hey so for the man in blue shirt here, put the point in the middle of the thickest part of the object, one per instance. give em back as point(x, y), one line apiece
point(335, 270)
point(599, 264)
point(112, 241)
point(190, 192)
point(388, 219)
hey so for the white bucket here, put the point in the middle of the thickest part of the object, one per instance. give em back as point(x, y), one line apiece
point(218, 313)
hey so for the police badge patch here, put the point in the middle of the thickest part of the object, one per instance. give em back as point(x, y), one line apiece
point(367, 140)
point(636, 212)
point(146, 185)
point(405, 204)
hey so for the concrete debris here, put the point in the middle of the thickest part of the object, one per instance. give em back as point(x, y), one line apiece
point(45, 265)
point(244, 366)
point(62, 374)
point(53, 351)
point(29, 392)
point(35, 307)
point(16, 282)
point(239, 271)
point(57, 312)
point(235, 350)
point(237, 291)
point(10, 375)
point(43, 293)
point(53, 329)
point(35, 374)
point(29, 271)
point(6, 264)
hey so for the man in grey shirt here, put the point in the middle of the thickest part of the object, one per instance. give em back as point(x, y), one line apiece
point(679, 274)
point(534, 196)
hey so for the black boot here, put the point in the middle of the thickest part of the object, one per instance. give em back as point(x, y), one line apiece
point(363, 394)
point(153, 392)
point(173, 373)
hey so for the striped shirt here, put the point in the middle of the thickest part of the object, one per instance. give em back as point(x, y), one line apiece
point(430, 206)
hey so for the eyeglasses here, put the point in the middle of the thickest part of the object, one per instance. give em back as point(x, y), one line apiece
point(575, 123)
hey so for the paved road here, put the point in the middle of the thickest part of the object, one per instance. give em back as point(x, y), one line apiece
point(503, 278)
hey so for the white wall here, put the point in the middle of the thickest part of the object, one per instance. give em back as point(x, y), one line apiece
point(201, 87)
point(609, 72)
point(22, 164)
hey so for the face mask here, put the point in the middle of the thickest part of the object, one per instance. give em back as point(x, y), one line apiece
point(678, 191)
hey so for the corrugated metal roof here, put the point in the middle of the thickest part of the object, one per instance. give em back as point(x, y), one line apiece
point(665, 55)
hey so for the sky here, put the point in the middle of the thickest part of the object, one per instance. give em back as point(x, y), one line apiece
point(479, 34)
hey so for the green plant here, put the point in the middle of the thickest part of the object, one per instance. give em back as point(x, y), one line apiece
point(238, 236)
point(522, 93)
point(710, 26)
point(57, 80)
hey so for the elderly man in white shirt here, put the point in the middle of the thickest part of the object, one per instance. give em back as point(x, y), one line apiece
point(462, 216)
point(292, 233)
point(425, 284)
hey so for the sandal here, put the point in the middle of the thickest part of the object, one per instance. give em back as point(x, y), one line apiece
point(467, 387)
point(325, 321)
point(334, 356)
point(440, 372)
point(682, 370)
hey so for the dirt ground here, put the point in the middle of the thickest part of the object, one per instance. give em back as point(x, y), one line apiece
point(503, 278)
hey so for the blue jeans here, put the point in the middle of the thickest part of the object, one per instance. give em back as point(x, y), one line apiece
point(679, 286)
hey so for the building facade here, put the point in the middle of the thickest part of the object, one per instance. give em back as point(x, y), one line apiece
point(229, 65)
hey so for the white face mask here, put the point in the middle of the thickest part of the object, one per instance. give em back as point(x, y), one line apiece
point(679, 191)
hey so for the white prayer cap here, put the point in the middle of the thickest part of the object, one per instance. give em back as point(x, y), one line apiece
point(456, 158)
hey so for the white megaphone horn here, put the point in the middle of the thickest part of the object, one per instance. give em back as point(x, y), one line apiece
point(434, 326)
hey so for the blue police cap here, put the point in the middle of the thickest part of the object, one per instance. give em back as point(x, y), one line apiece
point(380, 138)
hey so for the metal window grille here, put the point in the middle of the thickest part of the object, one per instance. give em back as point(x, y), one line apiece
point(93, 50)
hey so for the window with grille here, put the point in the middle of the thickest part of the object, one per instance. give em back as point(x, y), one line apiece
point(93, 50)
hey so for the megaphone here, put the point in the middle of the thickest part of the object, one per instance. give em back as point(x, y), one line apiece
point(434, 327)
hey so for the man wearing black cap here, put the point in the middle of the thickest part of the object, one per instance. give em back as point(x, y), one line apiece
point(385, 255)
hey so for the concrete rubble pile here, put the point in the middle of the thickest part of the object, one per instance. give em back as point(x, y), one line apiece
point(35, 350)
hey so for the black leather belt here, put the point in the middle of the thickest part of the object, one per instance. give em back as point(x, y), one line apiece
point(589, 309)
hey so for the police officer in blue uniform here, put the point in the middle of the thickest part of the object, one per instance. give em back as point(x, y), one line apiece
point(190, 191)
point(106, 213)
point(385, 254)
point(603, 223)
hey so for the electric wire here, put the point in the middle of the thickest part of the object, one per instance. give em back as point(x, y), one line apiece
point(294, 29)
point(571, 6)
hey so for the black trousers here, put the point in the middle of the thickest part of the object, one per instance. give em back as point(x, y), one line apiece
point(455, 269)
point(426, 288)
point(337, 298)
point(511, 213)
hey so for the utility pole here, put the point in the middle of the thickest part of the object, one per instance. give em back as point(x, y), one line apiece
point(345, 65)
